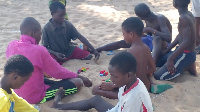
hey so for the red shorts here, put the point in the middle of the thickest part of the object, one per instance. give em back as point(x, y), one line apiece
point(77, 54)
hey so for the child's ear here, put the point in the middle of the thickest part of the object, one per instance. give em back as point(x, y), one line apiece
point(132, 34)
point(129, 74)
point(15, 76)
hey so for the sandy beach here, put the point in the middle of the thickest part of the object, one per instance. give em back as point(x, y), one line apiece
point(100, 22)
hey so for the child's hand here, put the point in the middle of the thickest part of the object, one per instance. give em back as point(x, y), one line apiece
point(108, 86)
point(148, 29)
point(97, 55)
point(60, 56)
point(95, 90)
point(170, 66)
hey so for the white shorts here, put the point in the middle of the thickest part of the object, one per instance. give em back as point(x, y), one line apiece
point(196, 8)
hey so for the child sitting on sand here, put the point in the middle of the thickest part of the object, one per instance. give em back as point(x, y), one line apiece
point(157, 25)
point(39, 88)
point(133, 95)
point(132, 29)
point(174, 63)
point(57, 35)
point(17, 71)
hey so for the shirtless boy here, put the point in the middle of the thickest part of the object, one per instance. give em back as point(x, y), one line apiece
point(156, 25)
point(183, 58)
point(132, 29)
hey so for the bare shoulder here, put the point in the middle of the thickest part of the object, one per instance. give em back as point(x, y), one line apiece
point(162, 18)
point(184, 19)
point(146, 49)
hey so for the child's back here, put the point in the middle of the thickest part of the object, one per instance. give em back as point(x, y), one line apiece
point(144, 62)
point(132, 29)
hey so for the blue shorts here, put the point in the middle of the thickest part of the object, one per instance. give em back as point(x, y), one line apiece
point(148, 41)
point(183, 61)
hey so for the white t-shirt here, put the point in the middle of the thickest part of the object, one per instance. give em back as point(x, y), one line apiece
point(196, 8)
point(135, 99)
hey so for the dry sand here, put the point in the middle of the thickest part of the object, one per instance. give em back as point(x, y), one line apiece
point(100, 22)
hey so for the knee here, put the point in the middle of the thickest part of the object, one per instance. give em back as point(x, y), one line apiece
point(157, 39)
point(156, 76)
point(78, 82)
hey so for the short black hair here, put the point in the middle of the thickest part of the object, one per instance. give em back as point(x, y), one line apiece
point(182, 3)
point(133, 24)
point(18, 64)
point(142, 10)
point(124, 62)
point(55, 5)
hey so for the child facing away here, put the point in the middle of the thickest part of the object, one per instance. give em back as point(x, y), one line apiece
point(133, 95)
point(174, 63)
point(39, 88)
point(17, 70)
point(132, 29)
point(57, 36)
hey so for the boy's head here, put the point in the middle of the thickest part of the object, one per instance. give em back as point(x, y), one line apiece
point(181, 3)
point(142, 11)
point(122, 68)
point(31, 27)
point(17, 71)
point(132, 27)
point(58, 12)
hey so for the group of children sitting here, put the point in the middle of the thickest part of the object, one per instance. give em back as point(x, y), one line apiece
point(132, 72)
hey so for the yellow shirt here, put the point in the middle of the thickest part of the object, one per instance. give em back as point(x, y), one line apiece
point(14, 103)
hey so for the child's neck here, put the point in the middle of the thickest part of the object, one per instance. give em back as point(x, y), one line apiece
point(56, 24)
point(152, 17)
point(136, 41)
point(182, 10)
point(131, 83)
point(7, 89)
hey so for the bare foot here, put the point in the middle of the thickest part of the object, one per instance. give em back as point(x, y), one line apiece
point(58, 96)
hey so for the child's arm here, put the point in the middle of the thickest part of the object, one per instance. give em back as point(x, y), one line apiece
point(114, 46)
point(108, 94)
point(172, 45)
point(186, 43)
point(151, 68)
point(165, 33)
point(87, 43)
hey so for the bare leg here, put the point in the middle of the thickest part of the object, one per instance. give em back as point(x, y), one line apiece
point(78, 82)
point(114, 46)
point(95, 102)
point(157, 47)
point(108, 94)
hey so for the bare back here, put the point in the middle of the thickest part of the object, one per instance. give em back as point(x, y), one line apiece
point(187, 31)
point(145, 62)
point(156, 23)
